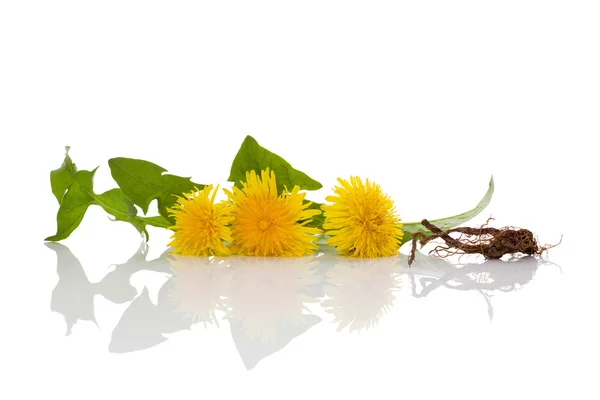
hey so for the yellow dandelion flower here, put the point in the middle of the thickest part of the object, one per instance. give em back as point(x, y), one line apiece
point(362, 220)
point(201, 226)
point(270, 225)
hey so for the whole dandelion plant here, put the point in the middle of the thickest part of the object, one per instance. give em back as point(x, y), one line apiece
point(264, 213)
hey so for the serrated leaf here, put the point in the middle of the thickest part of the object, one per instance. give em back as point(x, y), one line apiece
point(253, 157)
point(80, 195)
point(410, 228)
point(62, 178)
point(143, 181)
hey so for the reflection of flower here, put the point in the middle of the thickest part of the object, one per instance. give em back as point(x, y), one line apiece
point(268, 224)
point(362, 220)
point(199, 285)
point(269, 294)
point(362, 291)
point(200, 225)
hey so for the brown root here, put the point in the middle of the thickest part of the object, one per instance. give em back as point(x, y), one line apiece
point(492, 243)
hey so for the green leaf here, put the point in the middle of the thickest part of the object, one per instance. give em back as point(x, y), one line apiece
point(317, 220)
point(254, 157)
point(157, 221)
point(143, 181)
point(115, 203)
point(62, 178)
point(411, 228)
point(74, 204)
point(80, 195)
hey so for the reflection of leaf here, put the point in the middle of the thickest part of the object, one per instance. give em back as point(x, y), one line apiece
point(267, 303)
point(116, 285)
point(253, 350)
point(265, 291)
point(73, 296)
point(361, 291)
point(143, 181)
point(410, 228)
point(75, 192)
point(253, 157)
point(137, 329)
point(144, 324)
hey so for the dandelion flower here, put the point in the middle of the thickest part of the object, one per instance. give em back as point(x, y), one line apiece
point(201, 226)
point(267, 224)
point(362, 220)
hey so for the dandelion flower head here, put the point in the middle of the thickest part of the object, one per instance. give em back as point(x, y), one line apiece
point(270, 224)
point(362, 220)
point(201, 226)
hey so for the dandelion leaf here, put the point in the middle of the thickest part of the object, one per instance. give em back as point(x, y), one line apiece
point(253, 157)
point(62, 178)
point(74, 204)
point(410, 228)
point(74, 191)
point(143, 181)
point(317, 220)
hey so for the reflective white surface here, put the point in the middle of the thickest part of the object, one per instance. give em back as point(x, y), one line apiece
point(321, 326)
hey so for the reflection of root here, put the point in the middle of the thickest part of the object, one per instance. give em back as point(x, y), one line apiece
point(362, 291)
point(268, 294)
point(491, 275)
point(199, 285)
point(485, 278)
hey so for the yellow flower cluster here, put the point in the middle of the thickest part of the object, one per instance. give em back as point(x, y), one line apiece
point(255, 220)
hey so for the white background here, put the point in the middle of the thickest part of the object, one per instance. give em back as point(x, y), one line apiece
point(427, 98)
